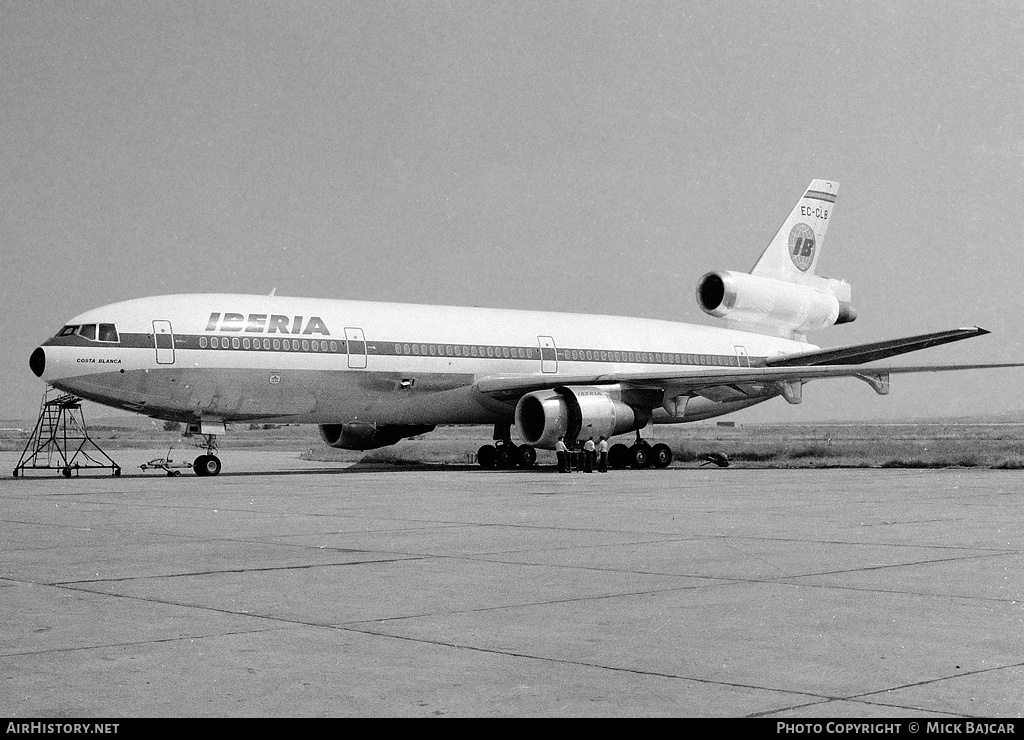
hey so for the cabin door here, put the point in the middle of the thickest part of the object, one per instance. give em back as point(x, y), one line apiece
point(356, 344)
point(163, 340)
point(548, 355)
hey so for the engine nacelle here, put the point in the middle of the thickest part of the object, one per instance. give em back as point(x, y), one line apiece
point(772, 306)
point(363, 435)
point(575, 412)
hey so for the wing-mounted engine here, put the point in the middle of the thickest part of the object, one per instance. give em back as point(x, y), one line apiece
point(363, 435)
point(581, 412)
point(776, 307)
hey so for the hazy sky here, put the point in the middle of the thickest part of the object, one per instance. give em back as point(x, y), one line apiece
point(572, 156)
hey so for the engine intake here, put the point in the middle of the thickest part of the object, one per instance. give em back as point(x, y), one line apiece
point(363, 435)
point(575, 412)
point(772, 306)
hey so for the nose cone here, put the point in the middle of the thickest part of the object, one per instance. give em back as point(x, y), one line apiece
point(37, 362)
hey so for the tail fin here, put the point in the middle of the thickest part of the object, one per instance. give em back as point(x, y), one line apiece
point(793, 254)
point(781, 296)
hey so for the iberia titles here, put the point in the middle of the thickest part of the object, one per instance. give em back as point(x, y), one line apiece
point(261, 323)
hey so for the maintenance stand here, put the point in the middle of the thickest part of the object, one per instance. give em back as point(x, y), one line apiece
point(61, 440)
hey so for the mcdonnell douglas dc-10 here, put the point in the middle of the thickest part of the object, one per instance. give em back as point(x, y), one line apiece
point(370, 374)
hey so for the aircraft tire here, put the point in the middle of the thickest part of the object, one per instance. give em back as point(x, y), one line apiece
point(661, 455)
point(506, 456)
point(526, 456)
point(618, 456)
point(639, 456)
point(487, 456)
point(206, 465)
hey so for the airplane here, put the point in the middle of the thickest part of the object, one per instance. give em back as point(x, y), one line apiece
point(372, 373)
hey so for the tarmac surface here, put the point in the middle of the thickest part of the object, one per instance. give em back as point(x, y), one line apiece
point(306, 589)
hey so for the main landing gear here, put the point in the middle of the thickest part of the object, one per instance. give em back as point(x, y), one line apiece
point(641, 454)
point(504, 453)
point(208, 464)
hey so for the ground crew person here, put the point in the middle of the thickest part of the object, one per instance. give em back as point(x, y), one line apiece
point(563, 456)
point(588, 456)
point(602, 455)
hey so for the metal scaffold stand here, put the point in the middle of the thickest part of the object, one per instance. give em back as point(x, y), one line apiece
point(61, 441)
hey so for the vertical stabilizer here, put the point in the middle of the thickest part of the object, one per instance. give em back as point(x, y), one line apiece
point(782, 296)
point(793, 254)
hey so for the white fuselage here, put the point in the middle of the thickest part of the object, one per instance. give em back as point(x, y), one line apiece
point(230, 358)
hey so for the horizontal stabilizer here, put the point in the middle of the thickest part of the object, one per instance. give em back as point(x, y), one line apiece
point(860, 353)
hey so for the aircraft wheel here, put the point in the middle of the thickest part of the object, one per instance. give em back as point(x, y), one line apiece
point(487, 456)
point(639, 456)
point(661, 456)
point(66, 472)
point(506, 456)
point(199, 465)
point(527, 456)
point(618, 456)
point(117, 472)
point(212, 465)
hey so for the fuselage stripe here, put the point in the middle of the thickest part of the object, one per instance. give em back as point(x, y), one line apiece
point(435, 350)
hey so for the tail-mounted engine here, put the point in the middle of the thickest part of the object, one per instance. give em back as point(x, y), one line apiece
point(362, 435)
point(576, 412)
point(776, 307)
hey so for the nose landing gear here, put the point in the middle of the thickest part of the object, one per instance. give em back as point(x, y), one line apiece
point(208, 464)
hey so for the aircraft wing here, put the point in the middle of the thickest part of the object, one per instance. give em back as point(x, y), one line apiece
point(859, 353)
point(784, 373)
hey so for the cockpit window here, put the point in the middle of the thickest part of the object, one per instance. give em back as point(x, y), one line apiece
point(108, 333)
point(92, 332)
